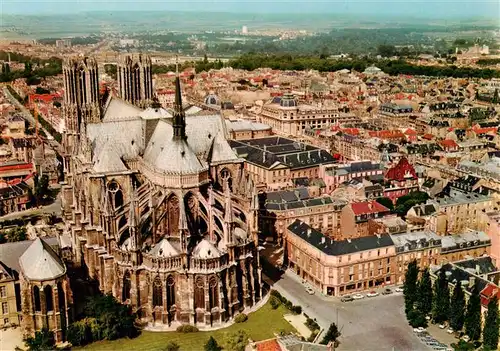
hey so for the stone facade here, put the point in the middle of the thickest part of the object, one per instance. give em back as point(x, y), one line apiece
point(135, 83)
point(163, 215)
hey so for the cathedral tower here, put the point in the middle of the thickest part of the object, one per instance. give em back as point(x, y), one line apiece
point(135, 80)
point(81, 97)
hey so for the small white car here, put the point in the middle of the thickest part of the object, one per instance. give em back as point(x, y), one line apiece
point(399, 289)
point(466, 338)
point(442, 326)
point(450, 331)
point(309, 290)
point(357, 297)
point(427, 318)
point(372, 294)
point(420, 329)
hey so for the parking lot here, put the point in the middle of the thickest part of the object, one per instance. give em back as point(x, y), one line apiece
point(376, 323)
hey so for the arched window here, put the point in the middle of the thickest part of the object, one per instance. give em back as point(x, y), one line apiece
point(157, 292)
point(126, 286)
point(115, 194)
point(170, 292)
point(60, 297)
point(199, 293)
point(49, 298)
point(213, 294)
point(36, 297)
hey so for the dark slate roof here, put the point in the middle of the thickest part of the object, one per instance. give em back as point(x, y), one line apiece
point(279, 150)
point(290, 199)
point(337, 248)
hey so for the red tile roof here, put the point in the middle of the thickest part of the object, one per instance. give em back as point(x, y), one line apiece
point(488, 293)
point(448, 144)
point(268, 345)
point(6, 168)
point(400, 171)
point(428, 136)
point(368, 207)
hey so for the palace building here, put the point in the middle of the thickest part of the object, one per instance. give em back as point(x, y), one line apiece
point(161, 211)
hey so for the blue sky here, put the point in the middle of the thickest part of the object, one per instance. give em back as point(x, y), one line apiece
point(414, 8)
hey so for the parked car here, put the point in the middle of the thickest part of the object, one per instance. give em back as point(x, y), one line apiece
point(420, 330)
point(399, 289)
point(387, 291)
point(450, 331)
point(372, 294)
point(309, 290)
point(347, 298)
point(466, 338)
point(442, 326)
point(358, 297)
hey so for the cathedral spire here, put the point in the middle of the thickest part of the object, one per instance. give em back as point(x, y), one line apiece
point(179, 120)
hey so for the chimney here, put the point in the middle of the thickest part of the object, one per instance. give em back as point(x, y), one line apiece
point(472, 281)
point(309, 231)
point(478, 269)
point(323, 240)
point(348, 240)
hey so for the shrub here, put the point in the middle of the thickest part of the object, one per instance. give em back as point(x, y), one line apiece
point(187, 328)
point(240, 318)
point(296, 309)
point(275, 302)
point(212, 345)
point(288, 305)
point(417, 319)
point(276, 294)
point(171, 346)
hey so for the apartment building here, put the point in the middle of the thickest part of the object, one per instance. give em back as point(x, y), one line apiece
point(340, 267)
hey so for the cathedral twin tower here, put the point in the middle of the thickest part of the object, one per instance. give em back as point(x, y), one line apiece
point(82, 101)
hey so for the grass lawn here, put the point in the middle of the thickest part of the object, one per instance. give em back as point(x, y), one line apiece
point(260, 325)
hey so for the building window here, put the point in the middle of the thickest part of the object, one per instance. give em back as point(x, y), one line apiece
point(36, 297)
point(6, 321)
point(3, 291)
point(49, 299)
point(5, 308)
point(157, 292)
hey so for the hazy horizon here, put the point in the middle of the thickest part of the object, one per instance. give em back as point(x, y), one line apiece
point(387, 8)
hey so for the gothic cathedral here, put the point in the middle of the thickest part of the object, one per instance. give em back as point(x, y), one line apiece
point(159, 208)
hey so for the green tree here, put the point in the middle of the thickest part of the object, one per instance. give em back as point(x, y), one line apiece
point(441, 305)
point(332, 334)
point(114, 319)
point(385, 201)
point(212, 345)
point(473, 315)
point(491, 326)
point(17, 234)
point(236, 341)
point(42, 341)
point(424, 302)
point(171, 346)
point(417, 319)
point(457, 308)
point(410, 286)
point(41, 188)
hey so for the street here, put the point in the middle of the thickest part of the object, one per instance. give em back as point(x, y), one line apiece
point(373, 324)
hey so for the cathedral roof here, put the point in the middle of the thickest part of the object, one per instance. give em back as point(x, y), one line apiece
point(108, 160)
point(118, 109)
point(169, 155)
point(126, 138)
point(205, 249)
point(153, 113)
point(40, 262)
point(164, 249)
point(221, 150)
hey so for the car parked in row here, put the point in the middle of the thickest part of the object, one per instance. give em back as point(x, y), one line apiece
point(372, 294)
point(358, 296)
point(387, 291)
point(347, 298)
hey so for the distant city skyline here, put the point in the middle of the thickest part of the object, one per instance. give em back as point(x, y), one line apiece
point(418, 8)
